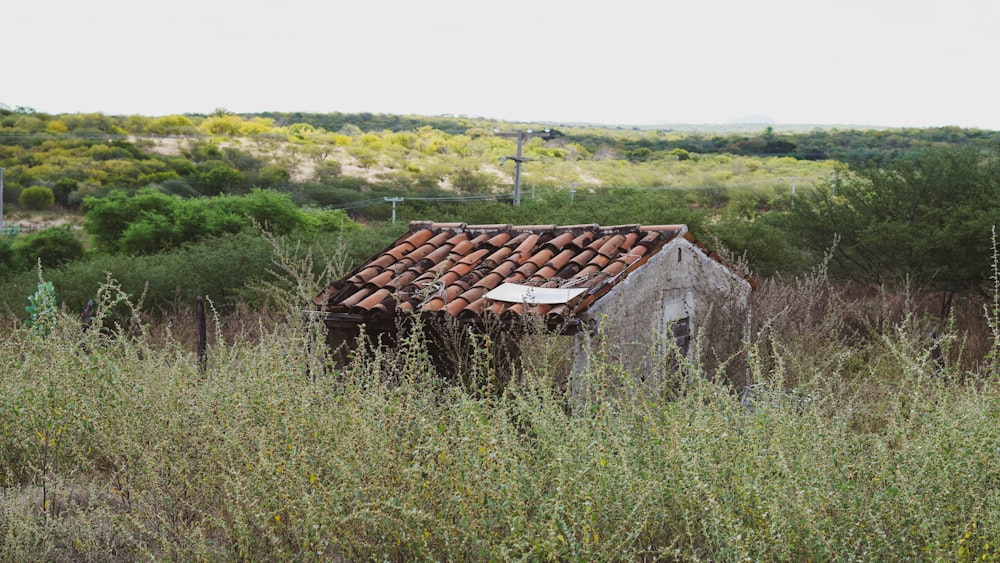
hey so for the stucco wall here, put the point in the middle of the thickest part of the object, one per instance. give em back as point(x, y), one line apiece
point(632, 323)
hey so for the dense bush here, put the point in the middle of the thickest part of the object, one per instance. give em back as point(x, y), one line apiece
point(63, 188)
point(152, 221)
point(37, 198)
point(51, 247)
point(767, 248)
point(8, 256)
point(221, 268)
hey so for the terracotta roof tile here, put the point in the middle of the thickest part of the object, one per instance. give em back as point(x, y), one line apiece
point(448, 268)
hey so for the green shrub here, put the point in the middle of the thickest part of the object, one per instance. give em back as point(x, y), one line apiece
point(275, 176)
point(219, 267)
point(766, 248)
point(37, 198)
point(152, 221)
point(275, 211)
point(327, 170)
point(177, 187)
point(106, 218)
point(63, 189)
point(52, 246)
point(327, 220)
point(8, 256)
point(471, 182)
point(151, 234)
point(220, 179)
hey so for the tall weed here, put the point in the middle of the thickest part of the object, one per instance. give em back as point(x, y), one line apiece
point(116, 444)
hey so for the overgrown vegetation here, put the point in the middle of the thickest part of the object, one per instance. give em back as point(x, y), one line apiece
point(118, 444)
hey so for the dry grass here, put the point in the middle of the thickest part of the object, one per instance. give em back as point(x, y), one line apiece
point(854, 445)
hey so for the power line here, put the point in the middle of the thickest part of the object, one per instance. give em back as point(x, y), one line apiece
point(466, 198)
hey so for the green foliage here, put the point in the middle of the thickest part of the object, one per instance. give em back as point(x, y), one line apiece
point(51, 247)
point(274, 176)
point(107, 218)
point(767, 248)
point(274, 211)
point(228, 125)
point(471, 182)
point(176, 187)
point(152, 221)
point(327, 170)
point(63, 188)
point(221, 268)
point(219, 178)
point(171, 125)
point(218, 267)
point(41, 308)
point(927, 216)
point(37, 198)
point(327, 221)
point(613, 206)
point(9, 260)
point(150, 233)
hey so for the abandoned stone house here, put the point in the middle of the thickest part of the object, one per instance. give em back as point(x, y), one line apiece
point(642, 289)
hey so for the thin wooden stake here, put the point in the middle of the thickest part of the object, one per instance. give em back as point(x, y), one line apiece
point(202, 339)
point(88, 314)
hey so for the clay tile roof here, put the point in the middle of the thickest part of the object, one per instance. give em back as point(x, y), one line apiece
point(446, 269)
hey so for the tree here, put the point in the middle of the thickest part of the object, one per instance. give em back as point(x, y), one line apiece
point(366, 157)
point(470, 182)
point(928, 217)
point(63, 188)
point(275, 176)
point(228, 125)
point(327, 170)
point(37, 198)
point(301, 130)
point(219, 178)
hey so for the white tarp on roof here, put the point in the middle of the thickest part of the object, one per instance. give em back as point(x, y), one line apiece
point(517, 293)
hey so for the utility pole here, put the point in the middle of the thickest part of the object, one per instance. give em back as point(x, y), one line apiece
point(393, 200)
point(518, 159)
point(1, 197)
point(794, 179)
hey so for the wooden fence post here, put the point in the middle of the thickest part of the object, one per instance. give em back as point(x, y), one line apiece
point(201, 332)
point(88, 314)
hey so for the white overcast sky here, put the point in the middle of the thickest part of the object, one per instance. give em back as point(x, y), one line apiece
point(861, 62)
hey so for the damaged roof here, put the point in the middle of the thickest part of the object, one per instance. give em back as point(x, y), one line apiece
point(469, 272)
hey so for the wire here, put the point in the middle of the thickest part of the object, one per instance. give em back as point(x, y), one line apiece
point(369, 202)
